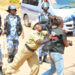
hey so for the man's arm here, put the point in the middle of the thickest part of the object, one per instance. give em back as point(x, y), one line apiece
point(21, 27)
point(40, 42)
point(66, 43)
point(45, 40)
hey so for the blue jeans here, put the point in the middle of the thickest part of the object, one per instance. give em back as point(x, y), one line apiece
point(57, 64)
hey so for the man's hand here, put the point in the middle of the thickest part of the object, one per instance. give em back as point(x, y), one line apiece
point(70, 42)
point(50, 36)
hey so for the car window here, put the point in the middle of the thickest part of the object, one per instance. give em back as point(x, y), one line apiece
point(31, 2)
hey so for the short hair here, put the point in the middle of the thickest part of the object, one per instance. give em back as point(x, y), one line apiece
point(56, 20)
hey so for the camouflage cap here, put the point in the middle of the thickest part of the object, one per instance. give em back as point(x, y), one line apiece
point(10, 7)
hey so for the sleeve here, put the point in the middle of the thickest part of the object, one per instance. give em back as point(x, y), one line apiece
point(44, 33)
point(64, 37)
point(19, 19)
point(34, 36)
point(6, 20)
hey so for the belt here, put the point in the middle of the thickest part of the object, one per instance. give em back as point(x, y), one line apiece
point(29, 48)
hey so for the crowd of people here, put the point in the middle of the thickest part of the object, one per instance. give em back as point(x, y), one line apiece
point(47, 36)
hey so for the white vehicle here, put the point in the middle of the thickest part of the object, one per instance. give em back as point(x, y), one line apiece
point(61, 8)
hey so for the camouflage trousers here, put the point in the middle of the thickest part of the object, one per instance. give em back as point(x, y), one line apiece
point(12, 46)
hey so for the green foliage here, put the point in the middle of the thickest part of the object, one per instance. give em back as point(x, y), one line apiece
point(13, 1)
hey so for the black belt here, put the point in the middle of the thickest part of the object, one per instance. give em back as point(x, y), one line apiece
point(29, 48)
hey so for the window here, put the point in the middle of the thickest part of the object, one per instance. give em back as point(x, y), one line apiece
point(63, 4)
point(31, 2)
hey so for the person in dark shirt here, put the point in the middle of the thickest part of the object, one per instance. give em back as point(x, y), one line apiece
point(58, 43)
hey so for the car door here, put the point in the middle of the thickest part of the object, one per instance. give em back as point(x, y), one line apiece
point(31, 7)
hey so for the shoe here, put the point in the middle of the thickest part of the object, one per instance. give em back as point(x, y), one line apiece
point(10, 59)
point(46, 60)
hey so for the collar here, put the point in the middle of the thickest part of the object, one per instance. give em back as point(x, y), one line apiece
point(13, 16)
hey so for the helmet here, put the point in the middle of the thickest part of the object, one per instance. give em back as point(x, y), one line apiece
point(45, 6)
point(10, 7)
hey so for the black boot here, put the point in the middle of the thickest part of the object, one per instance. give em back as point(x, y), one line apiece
point(1, 72)
point(40, 60)
point(10, 58)
point(45, 59)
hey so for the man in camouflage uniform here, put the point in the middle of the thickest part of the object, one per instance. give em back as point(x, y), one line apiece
point(56, 47)
point(44, 19)
point(13, 29)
